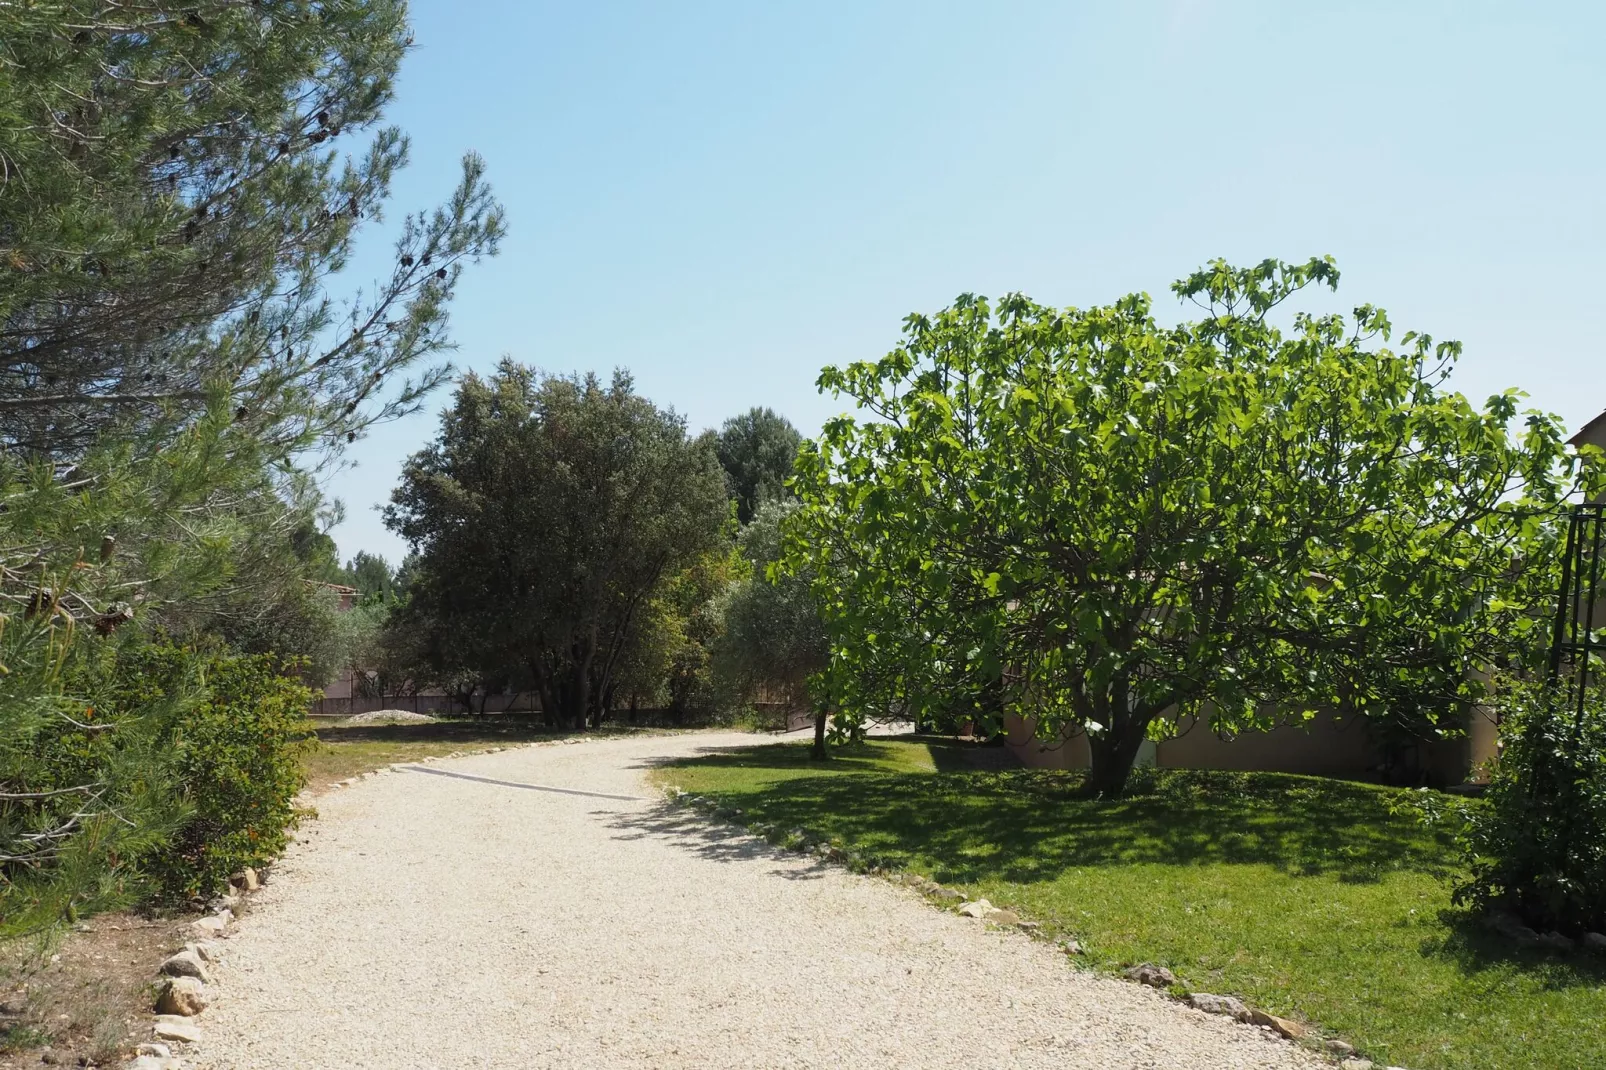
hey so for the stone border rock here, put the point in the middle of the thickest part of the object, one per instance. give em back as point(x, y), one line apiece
point(182, 980)
point(802, 841)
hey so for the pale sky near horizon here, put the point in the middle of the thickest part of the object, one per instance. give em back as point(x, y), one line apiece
point(724, 197)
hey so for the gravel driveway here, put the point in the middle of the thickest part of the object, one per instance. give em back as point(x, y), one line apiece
point(471, 920)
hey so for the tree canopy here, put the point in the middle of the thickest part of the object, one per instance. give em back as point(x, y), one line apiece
point(372, 575)
point(1087, 517)
point(545, 517)
point(757, 450)
point(773, 637)
point(773, 633)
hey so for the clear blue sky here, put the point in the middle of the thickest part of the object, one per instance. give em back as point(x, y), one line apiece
point(723, 197)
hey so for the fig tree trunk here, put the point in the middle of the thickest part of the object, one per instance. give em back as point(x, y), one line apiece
point(818, 753)
point(1111, 754)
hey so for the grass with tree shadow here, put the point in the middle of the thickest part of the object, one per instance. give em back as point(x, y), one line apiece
point(1316, 899)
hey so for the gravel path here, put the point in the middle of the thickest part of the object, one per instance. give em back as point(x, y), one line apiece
point(430, 920)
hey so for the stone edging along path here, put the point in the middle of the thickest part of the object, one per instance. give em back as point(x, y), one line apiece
point(800, 840)
point(182, 991)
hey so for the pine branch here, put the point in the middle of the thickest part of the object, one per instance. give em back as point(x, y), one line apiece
point(45, 401)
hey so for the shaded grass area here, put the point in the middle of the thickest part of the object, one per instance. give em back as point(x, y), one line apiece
point(1309, 897)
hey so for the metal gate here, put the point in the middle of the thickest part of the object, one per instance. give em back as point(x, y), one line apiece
point(1575, 648)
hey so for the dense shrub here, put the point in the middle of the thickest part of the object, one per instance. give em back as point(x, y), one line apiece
point(1538, 849)
point(88, 790)
point(233, 747)
point(137, 771)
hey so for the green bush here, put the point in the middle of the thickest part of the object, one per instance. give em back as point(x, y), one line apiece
point(88, 791)
point(234, 748)
point(136, 771)
point(1538, 848)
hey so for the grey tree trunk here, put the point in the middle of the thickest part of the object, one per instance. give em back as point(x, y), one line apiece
point(818, 753)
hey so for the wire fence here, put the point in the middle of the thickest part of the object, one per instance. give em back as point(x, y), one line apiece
point(780, 715)
point(435, 704)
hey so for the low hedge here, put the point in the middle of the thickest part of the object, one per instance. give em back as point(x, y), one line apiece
point(136, 772)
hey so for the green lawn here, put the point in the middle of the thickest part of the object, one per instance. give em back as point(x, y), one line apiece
point(346, 750)
point(1304, 896)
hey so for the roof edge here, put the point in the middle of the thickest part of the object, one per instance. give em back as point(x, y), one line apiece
point(1582, 431)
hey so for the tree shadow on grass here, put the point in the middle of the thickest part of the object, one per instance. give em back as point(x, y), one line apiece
point(967, 826)
point(866, 757)
point(1475, 948)
point(1027, 825)
point(963, 756)
point(713, 841)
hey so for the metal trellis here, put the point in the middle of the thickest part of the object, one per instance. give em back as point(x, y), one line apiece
point(1575, 647)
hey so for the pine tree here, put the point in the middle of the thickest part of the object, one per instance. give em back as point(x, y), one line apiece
point(175, 204)
point(173, 366)
point(757, 450)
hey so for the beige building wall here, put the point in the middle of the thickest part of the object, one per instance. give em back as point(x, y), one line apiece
point(1591, 434)
point(1067, 752)
point(1328, 745)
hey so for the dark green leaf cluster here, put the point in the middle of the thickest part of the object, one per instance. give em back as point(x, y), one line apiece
point(757, 450)
point(373, 577)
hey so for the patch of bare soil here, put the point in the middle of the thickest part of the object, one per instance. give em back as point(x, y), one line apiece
point(84, 1000)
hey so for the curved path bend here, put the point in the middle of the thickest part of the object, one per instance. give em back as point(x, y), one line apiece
point(472, 920)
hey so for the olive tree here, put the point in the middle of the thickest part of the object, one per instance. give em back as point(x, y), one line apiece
point(773, 634)
point(1105, 523)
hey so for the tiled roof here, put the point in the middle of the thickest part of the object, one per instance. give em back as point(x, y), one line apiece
point(1584, 432)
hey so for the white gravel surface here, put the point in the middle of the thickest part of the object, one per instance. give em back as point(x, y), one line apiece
point(436, 921)
point(388, 717)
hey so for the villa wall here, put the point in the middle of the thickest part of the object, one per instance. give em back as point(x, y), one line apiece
point(1066, 752)
point(1328, 745)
